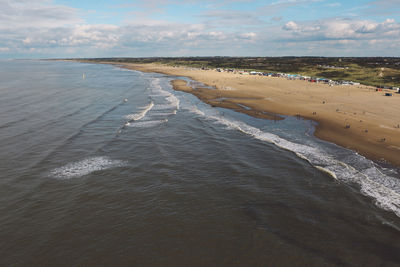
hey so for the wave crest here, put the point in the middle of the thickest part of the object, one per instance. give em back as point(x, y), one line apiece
point(85, 167)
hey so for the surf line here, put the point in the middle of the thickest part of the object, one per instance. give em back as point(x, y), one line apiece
point(139, 116)
point(135, 117)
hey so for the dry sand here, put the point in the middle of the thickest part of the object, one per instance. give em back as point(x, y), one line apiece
point(355, 117)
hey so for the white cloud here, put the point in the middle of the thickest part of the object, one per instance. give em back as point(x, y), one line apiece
point(389, 21)
point(276, 18)
point(229, 18)
point(383, 7)
point(386, 3)
point(27, 40)
point(343, 29)
point(334, 4)
point(59, 30)
point(291, 26)
point(36, 13)
point(249, 35)
point(101, 36)
point(290, 3)
point(280, 2)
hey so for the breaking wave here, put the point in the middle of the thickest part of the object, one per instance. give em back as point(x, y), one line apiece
point(147, 124)
point(384, 189)
point(158, 91)
point(140, 115)
point(85, 167)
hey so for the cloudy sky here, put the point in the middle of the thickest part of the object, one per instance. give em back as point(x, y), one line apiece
point(100, 28)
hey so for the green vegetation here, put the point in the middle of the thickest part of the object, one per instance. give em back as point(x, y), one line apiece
point(375, 71)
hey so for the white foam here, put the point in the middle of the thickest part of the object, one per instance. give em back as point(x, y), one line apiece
point(147, 124)
point(195, 110)
point(173, 100)
point(85, 167)
point(164, 113)
point(162, 107)
point(331, 173)
point(157, 90)
point(140, 115)
point(383, 188)
point(163, 104)
point(302, 157)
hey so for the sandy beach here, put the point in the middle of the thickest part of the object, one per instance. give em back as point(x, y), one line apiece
point(356, 117)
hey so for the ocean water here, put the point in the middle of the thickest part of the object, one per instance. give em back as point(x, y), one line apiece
point(105, 166)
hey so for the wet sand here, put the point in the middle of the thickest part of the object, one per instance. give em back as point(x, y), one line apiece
point(355, 117)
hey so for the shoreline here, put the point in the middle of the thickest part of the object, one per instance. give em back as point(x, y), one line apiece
point(355, 117)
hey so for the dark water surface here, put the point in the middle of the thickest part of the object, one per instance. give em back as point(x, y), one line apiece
point(105, 166)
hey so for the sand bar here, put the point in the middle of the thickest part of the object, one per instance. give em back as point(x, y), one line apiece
point(356, 117)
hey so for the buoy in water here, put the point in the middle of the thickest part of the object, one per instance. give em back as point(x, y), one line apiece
point(126, 100)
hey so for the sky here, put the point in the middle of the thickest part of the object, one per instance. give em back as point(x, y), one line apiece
point(128, 28)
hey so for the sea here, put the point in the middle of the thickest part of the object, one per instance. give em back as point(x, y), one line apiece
point(104, 166)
